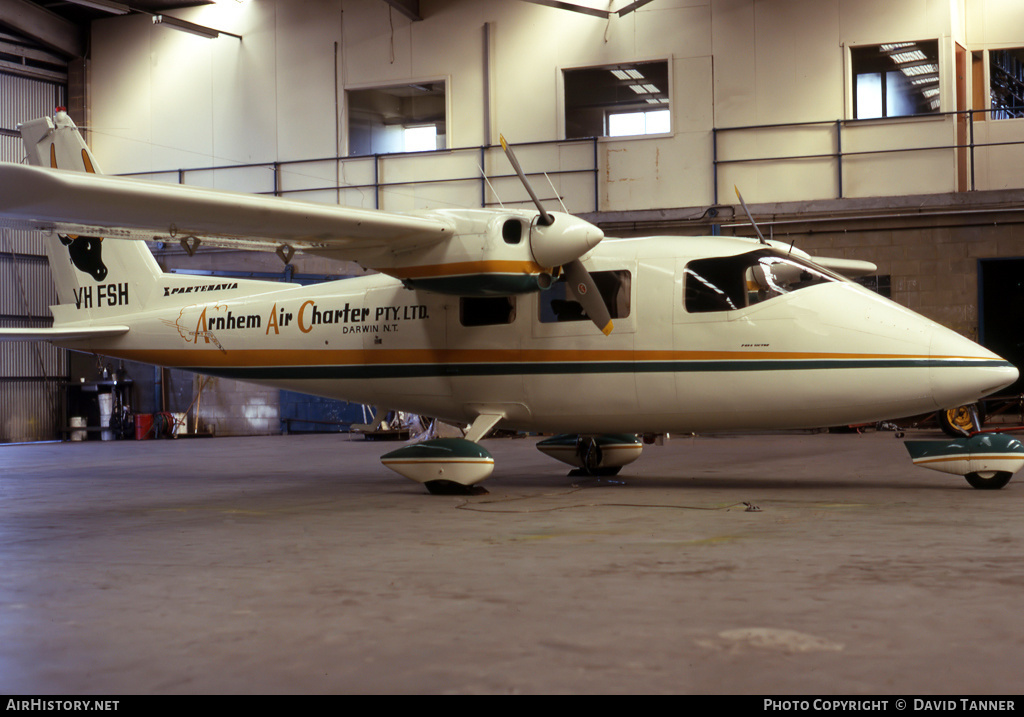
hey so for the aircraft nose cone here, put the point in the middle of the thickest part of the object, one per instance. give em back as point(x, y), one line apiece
point(961, 371)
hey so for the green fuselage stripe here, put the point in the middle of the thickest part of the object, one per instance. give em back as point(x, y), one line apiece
point(425, 370)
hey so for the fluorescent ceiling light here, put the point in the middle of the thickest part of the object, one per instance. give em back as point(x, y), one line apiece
point(915, 70)
point(110, 6)
point(190, 27)
point(909, 56)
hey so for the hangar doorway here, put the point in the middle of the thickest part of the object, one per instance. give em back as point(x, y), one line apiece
point(1001, 311)
point(32, 373)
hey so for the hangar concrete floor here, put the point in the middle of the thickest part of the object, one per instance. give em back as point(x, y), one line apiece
point(298, 564)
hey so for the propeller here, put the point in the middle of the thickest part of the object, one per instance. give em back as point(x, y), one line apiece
point(560, 240)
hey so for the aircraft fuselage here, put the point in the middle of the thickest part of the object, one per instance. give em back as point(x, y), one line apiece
point(688, 353)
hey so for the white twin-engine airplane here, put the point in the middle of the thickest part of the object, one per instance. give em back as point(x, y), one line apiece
point(492, 318)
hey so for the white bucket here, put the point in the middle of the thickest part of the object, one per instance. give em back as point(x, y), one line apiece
point(106, 409)
point(78, 422)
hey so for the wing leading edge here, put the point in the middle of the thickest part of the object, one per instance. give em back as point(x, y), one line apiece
point(70, 202)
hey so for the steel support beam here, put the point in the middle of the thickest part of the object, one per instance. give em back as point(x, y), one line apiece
point(43, 26)
point(409, 8)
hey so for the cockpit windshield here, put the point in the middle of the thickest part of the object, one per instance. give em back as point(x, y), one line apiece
point(734, 282)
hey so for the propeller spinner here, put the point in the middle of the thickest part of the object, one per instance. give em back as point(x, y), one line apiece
point(558, 239)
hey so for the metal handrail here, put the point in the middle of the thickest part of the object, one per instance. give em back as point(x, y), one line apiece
point(839, 154)
point(377, 186)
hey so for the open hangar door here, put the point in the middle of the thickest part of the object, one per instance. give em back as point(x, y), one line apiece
point(1001, 312)
point(32, 374)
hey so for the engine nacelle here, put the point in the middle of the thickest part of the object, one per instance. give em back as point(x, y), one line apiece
point(490, 255)
point(593, 455)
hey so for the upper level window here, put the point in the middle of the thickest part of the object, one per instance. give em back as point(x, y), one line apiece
point(617, 100)
point(626, 124)
point(403, 118)
point(420, 139)
point(1006, 82)
point(895, 80)
point(733, 282)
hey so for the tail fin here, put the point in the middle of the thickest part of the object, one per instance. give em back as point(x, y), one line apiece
point(95, 280)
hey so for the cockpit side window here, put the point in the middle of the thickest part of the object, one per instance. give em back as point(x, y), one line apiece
point(734, 282)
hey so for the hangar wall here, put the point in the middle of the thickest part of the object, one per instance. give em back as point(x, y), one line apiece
point(165, 100)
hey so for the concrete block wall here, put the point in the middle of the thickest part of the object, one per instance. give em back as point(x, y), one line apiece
point(933, 270)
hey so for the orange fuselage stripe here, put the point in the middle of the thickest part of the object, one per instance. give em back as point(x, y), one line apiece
point(462, 268)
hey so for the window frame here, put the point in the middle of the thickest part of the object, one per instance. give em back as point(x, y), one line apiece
point(609, 109)
point(852, 75)
point(445, 123)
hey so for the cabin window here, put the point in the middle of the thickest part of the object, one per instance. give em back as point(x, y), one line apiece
point(896, 79)
point(487, 310)
point(734, 282)
point(557, 303)
point(621, 100)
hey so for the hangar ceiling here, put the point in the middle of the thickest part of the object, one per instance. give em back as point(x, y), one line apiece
point(62, 25)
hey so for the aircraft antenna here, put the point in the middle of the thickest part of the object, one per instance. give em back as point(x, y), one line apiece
point(752, 222)
point(490, 186)
point(555, 191)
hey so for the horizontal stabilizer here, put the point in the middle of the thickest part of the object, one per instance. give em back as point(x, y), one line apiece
point(62, 334)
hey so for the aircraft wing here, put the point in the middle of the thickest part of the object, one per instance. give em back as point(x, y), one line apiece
point(80, 203)
point(852, 268)
point(62, 334)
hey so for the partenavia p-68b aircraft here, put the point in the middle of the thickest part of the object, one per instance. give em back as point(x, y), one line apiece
point(491, 318)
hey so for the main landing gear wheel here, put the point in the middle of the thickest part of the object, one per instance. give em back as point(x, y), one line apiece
point(989, 480)
point(591, 456)
point(961, 421)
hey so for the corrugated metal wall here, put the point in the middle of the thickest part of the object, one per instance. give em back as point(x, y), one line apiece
point(31, 373)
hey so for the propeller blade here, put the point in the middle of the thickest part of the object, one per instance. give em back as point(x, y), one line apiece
point(584, 290)
point(545, 218)
point(752, 222)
